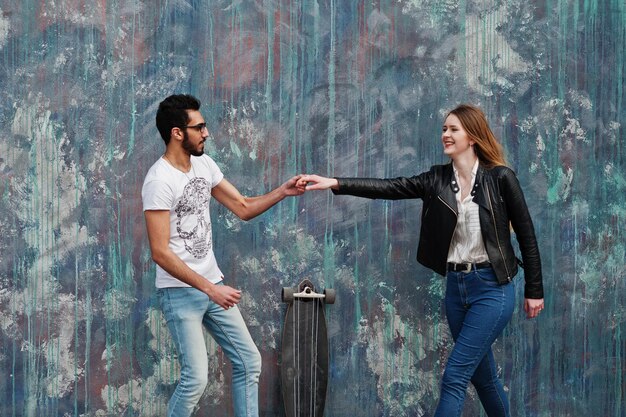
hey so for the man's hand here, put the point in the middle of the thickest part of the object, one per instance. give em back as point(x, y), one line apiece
point(318, 182)
point(223, 295)
point(293, 186)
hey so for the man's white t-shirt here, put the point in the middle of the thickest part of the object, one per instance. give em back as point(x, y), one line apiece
point(186, 196)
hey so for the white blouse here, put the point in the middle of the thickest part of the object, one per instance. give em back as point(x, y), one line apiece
point(467, 242)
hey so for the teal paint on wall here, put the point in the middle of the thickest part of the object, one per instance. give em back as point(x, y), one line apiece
point(348, 88)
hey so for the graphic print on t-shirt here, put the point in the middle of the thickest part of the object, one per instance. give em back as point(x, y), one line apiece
point(192, 221)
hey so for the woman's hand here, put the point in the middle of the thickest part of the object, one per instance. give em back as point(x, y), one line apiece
point(316, 182)
point(533, 307)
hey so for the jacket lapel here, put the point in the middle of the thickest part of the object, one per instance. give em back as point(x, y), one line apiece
point(449, 190)
point(479, 191)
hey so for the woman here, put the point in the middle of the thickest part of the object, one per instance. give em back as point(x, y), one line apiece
point(469, 207)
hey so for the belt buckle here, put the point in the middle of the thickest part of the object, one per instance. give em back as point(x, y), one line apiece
point(468, 268)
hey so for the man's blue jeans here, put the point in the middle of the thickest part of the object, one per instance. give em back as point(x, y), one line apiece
point(477, 309)
point(186, 310)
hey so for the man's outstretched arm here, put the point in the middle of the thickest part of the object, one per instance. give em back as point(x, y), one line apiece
point(247, 208)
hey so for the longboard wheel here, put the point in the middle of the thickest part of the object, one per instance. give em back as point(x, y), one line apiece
point(329, 296)
point(287, 295)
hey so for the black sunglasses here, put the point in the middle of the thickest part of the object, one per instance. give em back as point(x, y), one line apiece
point(199, 127)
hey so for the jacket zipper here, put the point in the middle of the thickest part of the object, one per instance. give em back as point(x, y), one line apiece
point(455, 215)
point(493, 217)
point(447, 205)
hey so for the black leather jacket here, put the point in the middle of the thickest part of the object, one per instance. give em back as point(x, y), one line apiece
point(501, 205)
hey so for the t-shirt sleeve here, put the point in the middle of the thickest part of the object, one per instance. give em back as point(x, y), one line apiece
point(216, 173)
point(157, 195)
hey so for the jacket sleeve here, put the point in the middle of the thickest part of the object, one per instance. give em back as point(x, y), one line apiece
point(387, 189)
point(525, 233)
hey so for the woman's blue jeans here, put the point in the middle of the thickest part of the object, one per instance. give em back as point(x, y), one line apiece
point(186, 311)
point(477, 309)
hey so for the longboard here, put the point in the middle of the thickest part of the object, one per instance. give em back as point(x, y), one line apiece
point(304, 347)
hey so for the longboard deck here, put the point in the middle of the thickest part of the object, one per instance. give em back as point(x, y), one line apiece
point(304, 368)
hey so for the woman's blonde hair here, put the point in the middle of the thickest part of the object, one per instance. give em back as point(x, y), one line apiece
point(487, 148)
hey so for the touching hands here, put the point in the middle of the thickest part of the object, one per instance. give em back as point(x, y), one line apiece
point(293, 187)
point(316, 182)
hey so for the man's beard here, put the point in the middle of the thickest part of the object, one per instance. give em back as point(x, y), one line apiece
point(189, 147)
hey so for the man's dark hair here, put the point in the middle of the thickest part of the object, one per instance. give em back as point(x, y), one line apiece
point(172, 113)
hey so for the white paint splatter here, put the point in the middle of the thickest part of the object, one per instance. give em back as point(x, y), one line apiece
point(573, 131)
point(129, 394)
point(62, 367)
point(14, 305)
point(540, 143)
point(53, 206)
point(488, 55)
point(580, 98)
point(611, 132)
point(391, 345)
point(528, 124)
point(245, 131)
point(562, 186)
point(119, 304)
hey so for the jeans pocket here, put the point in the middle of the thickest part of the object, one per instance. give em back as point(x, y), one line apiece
point(487, 276)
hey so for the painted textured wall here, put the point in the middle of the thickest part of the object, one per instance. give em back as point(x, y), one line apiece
point(338, 87)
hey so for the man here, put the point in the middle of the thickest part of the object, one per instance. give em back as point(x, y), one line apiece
point(176, 195)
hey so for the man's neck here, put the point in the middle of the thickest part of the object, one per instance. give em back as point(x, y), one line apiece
point(179, 160)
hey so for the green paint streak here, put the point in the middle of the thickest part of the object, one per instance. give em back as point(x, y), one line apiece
point(330, 144)
point(210, 24)
point(76, 338)
point(133, 112)
point(268, 7)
